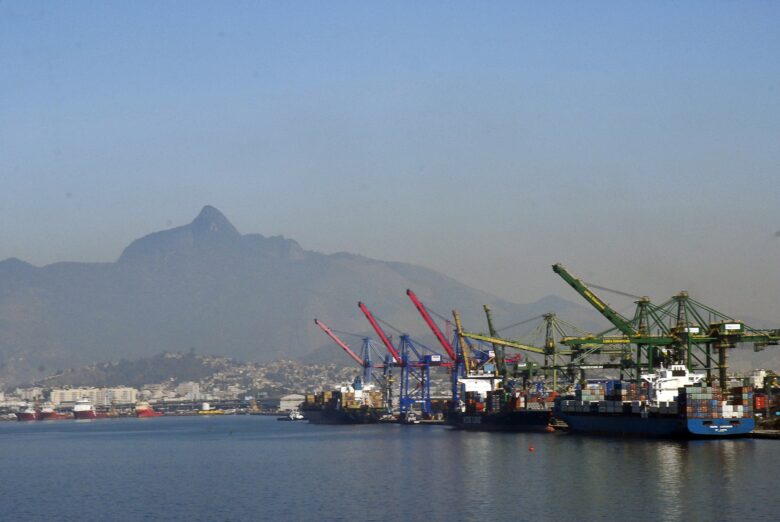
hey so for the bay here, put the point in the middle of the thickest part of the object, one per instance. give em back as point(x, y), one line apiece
point(237, 468)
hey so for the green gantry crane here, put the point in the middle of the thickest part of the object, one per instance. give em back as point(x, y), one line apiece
point(681, 330)
point(579, 357)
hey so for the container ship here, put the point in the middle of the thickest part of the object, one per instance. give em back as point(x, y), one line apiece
point(503, 411)
point(670, 402)
point(488, 407)
point(357, 403)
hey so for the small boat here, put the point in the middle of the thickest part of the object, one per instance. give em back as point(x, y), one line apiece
point(410, 418)
point(294, 415)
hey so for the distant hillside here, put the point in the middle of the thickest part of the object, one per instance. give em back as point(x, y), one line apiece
point(215, 374)
point(161, 368)
point(208, 288)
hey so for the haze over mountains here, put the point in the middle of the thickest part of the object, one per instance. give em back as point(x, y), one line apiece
point(205, 286)
point(208, 288)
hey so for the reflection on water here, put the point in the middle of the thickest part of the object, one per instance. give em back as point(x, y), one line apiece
point(252, 468)
point(670, 462)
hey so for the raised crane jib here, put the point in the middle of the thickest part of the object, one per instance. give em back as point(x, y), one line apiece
point(341, 343)
point(435, 329)
point(620, 322)
point(380, 332)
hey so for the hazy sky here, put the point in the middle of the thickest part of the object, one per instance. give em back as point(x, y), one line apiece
point(636, 142)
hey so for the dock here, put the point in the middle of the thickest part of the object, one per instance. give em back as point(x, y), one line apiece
point(766, 434)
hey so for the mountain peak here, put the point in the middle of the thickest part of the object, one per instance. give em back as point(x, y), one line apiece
point(211, 220)
point(210, 229)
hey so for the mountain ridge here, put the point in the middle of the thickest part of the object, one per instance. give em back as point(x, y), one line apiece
point(205, 286)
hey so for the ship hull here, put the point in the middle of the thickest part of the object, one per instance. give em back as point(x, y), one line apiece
point(84, 415)
point(342, 416)
point(54, 415)
point(517, 421)
point(142, 414)
point(27, 416)
point(657, 426)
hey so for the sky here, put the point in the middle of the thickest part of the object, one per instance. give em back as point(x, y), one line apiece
point(638, 143)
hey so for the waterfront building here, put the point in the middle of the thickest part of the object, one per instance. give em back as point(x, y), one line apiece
point(290, 402)
point(121, 395)
point(98, 396)
point(30, 394)
point(190, 391)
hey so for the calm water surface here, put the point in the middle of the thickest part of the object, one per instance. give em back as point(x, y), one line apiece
point(255, 468)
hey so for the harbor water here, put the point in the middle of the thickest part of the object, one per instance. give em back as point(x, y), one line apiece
point(236, 468)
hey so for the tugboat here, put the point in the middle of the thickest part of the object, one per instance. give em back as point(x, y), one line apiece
point(27, 414)
point(410, 418)
point(49, 413)
point(84, 410)
point(143, 410)
point(294, 415)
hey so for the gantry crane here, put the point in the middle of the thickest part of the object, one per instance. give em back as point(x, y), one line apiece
point(414, 365)
point(386, 380)
point(572, 361)
point(364, 362)
point(673, 332)
point(457, 361)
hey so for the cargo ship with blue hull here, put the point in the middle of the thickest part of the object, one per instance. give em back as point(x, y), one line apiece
point(631, 424)
point(670, 403)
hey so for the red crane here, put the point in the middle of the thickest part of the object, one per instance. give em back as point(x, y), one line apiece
point(442, 339)
point(338, 341)
point(380, 333)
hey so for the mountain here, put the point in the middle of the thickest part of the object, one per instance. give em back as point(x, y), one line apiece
point(208, 288)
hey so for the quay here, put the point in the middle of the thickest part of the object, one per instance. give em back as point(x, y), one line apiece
point(766, 434)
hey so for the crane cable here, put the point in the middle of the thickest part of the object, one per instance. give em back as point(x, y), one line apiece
point(351, 334)
point(520, 323)
point(618, 292)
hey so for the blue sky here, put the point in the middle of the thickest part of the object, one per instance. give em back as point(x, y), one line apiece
point(638, 143)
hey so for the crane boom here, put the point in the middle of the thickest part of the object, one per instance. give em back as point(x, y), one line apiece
point(501, 342)
point(620, 322)
point(380, 332)
point(535, 349)
point(442, 339)
point(461, 340)
point(500, 355)
point(338, 341)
